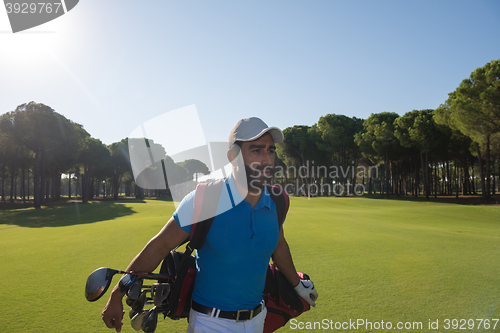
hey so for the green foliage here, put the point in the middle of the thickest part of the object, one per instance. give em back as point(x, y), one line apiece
point(474, 107)
point(337, 133)
point(94, 156)
point(95, 160)
point(120, 159)
point(36, 136)
point(459, 145)
point(418, 129)
point(38, 127)
point(194, 167)
point(50, 137)
point(178, 173)
point(379, 134)
point(120, 163)
point(297, 145)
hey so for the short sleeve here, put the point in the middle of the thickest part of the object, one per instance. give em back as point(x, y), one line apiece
point(184, 212)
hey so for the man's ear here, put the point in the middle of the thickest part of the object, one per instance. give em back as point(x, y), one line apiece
point(232, 154)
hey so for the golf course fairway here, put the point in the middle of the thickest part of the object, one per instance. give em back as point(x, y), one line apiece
point(373, 262)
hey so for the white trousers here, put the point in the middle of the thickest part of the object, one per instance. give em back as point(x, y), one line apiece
point(203, 323)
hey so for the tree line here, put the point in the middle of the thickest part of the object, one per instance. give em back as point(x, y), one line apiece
point(450, 150)
point(423, 152)
point(39, 145)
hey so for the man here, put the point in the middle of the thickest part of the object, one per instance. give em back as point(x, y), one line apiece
point(232, 263)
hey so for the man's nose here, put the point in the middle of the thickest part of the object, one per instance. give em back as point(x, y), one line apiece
point(266, 159)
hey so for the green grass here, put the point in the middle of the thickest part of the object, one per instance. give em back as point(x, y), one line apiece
point(369, 259)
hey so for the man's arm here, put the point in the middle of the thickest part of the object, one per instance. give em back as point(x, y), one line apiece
point(283, 259)
point(170, 236)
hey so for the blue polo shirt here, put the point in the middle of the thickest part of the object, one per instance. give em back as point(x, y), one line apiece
point(232, 263)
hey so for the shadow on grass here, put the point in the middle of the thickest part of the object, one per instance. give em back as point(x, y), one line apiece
point(165, 199)
point(461, 200)
point(65, 214)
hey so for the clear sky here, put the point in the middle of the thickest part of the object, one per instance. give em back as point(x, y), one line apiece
point(112, 65)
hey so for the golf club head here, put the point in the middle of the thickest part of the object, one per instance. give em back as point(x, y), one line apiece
point(126, 281)
point(135, 289)
point(137, 320)
point(98, 283)
point(131, 313)
point(138, 304)
point(160, 292)
point(150, 321)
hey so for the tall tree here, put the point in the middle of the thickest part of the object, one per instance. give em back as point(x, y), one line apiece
point(120, 163)
point(9, 162)
point(40, 129)
point(94, 158)
point(379, 135)
point(194, 167)
point(149, 163)
point(297, 148)
point(458, 145)
point(337, 140)
point(65, 156)
point(474, 108)
point(417, 129)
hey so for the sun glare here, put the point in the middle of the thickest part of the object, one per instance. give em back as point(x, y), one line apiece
point(31, 51)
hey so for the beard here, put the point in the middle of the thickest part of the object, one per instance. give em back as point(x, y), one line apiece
point(259, 177)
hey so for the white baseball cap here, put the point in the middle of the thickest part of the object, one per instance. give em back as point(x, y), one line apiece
point(250, 129)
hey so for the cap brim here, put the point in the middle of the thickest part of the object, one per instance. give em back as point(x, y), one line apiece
point(274, 131)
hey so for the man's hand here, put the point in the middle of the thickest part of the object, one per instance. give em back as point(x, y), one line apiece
point(112, 315)
point(306, 290)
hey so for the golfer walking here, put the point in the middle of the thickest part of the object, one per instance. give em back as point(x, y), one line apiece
point(232, 264)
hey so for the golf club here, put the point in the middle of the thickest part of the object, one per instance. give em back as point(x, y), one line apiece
point(135, 289)
point(131, 313)
point(137, 320)
point(99, 281)
point(159, 292)
point(126, 281)
point(150, 321)
point(138, 304)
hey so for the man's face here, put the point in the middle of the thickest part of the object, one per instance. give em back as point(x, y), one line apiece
point(258, 157)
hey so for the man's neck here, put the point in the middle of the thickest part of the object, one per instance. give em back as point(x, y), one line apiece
point(253, 197)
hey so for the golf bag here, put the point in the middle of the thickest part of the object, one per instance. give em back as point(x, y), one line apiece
point(282, 301)
point(178, 304)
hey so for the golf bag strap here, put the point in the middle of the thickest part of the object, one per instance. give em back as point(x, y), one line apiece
point(206, 200)
point(281, 200)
